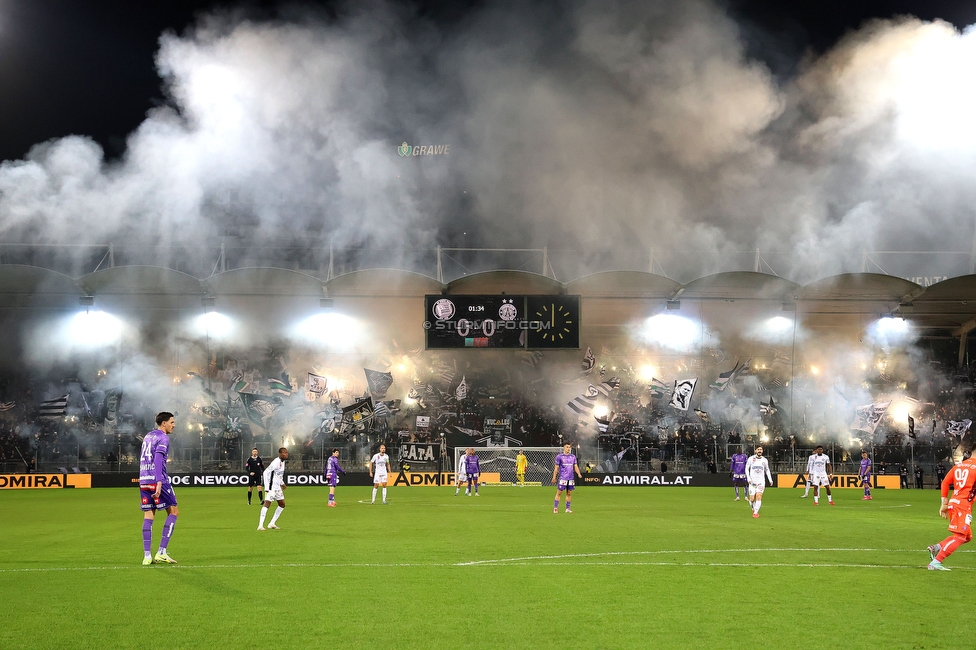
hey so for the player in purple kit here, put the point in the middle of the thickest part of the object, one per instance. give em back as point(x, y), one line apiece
point(864, 473)
point(472, 468)
point(562, 476)
point(155, 490)
point(738, 471)
point(332, 471)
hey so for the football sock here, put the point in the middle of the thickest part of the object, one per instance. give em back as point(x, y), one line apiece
point(168, 530)
point(384, 494)
point(476, 488)
point(260, 495)
point(568, 504)
point(147, 535)
point(457, 491)
point(806, 492)
point(816, 499)
point(555, 504)
point(374, 495)
point(248, 497)
point(277, 513)
point(736, 491)
point(949, 545)
point(331, 498)
point(264, 514)
point(758, 505)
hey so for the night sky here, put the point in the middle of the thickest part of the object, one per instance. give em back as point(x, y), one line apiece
point(87, 68)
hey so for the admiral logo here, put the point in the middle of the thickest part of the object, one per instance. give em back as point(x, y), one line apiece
point(26, 481)
point(423, 150)
point(618, 479)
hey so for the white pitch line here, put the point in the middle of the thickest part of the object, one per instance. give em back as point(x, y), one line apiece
point(691, 551)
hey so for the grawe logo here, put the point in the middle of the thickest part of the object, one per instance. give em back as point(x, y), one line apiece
point(423, 150)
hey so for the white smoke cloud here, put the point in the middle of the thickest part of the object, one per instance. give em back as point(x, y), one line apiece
point(606, 126)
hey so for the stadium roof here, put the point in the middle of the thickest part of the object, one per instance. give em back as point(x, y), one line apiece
point(948, 305)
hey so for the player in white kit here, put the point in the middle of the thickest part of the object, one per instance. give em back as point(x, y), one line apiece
point(378, 468)
point(274, 489)
point(806, 490)
point(820, 471)
point(757, 470)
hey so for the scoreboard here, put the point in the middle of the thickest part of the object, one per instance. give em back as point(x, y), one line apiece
point(513, 322)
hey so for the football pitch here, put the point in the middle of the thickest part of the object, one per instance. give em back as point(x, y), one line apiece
point(631, 567)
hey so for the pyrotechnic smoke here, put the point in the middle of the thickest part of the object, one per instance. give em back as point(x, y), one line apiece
point(602, 126)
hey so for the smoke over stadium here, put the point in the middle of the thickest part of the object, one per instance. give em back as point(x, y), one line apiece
point(607, 128)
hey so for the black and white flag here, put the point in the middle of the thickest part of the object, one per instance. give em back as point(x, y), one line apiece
point(608, 385)
point(53, 408)
point(317, 384)
point(868, 417)
point(682, 392)
point(378, 382)
point(461, 392)
point(957, 429)
point(584, 404)
point(589, 361)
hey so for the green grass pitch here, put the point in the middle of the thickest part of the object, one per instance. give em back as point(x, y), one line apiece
point(630, 568)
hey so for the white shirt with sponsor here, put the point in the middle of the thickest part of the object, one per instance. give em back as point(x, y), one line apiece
point(817, 465)
point(274, 475)
point(380, 463)
point(755, 469)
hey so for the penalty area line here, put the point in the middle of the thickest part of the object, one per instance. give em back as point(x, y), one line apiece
point(570, 556)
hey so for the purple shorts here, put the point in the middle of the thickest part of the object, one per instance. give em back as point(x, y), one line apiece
point(739, 479)
point(167, 497)
point(333, 479)
point(567, 484)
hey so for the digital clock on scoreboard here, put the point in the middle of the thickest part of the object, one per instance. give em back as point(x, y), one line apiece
point(474, 321)
point(502, 321)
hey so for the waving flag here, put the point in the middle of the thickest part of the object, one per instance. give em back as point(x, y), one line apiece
point(958, 429)
point(461, 391)
point(378, 382)
point(868, 417)
point(584, 404)
point(317, 384)
point(682, 393)
point(589, 361)
point(605, 387)
point(658, 388)
point(53, 408)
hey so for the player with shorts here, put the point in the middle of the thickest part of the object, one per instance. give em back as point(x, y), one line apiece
point(274, 488)
point(806, 489)
point(864, 473)
point(738, 471)
point(460, 476)
point(958, 510)
point(254, 467)
point(564, 478)
point(378, 468)
point(757, 471)
point(472, 469)
point(820, 473)
point(332, 471)
point(155, 490)
point(521, 464)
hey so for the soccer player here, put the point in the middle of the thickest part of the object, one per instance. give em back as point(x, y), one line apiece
point(378, 466)
point(254, 467)
point(472, 468)
point(806, 490)
point(155, 489)
point(460, 475)
point(820, 475)
point(864, 473)
point(958, 510)
point(332, 471)
point(521, 463)
point(738, 471)
point(566, 465)
point(274, 487)
point(756, 467)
